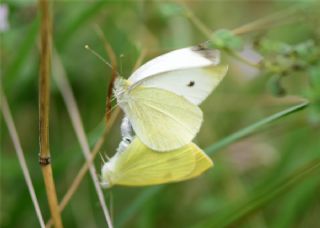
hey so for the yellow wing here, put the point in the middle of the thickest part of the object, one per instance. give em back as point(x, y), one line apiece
point(161, 119)
point(203, 162)
point(139, 166)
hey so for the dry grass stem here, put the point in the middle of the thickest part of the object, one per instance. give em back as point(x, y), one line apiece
point(69, 99)
point(23, 164)
point(44, 103)
point(266, 22)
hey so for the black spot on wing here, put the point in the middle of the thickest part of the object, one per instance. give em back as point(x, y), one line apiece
point(191, 84)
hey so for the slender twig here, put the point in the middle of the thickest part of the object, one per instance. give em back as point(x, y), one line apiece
point(44, 103)
point(266, 22)
point(23, 164)
point(108, 48)
point(195, 20)
point(74, 113)
point(263, 23)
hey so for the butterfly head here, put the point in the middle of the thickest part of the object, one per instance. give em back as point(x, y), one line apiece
point(121, 85)
point(107, 173)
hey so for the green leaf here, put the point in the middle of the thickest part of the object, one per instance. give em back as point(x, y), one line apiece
point(225, 39)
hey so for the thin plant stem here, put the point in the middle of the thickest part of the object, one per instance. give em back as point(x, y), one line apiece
point(194, 19)
point(263, 23)
point(74, 113)
point(23, 164)
point(44, 103)
point(266, 22)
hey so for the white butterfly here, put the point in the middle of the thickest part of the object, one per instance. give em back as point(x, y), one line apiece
point(161, 97)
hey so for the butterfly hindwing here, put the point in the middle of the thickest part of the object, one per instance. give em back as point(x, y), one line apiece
point(138, 165)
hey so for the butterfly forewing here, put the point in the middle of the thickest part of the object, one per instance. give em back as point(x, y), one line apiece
point(184, 58)
point(161, 119)
point(195, 84)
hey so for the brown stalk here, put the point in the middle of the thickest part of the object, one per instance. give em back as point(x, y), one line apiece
point(44, 103)
point(23, 164)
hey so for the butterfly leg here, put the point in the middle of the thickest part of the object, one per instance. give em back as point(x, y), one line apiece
point(127, 135)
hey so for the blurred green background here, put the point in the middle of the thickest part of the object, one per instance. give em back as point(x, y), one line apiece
point(248, 187)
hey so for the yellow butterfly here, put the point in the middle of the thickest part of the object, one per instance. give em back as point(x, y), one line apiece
point(138, 165)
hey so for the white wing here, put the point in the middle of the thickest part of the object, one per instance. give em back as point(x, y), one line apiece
point(195, 84)
point(191, 57)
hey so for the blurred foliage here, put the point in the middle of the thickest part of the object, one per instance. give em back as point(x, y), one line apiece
point(252, 173)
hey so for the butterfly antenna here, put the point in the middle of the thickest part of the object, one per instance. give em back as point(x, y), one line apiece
point(99, 57)
point(121, 58)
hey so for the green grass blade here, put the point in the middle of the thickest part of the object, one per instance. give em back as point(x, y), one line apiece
point(150, 192)
point(253, 128)
point(260, 198)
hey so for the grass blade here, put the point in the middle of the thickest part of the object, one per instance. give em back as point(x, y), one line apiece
point(253, 128)
point(23, 164)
